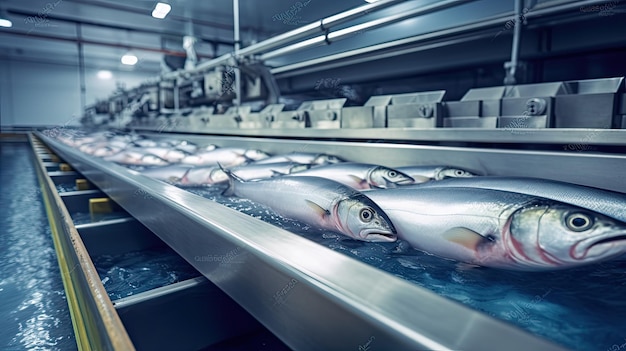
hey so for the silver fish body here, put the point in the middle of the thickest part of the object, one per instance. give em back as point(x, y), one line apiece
point(606, 202)
point(145, 143)
point(227, 157)
point(359, 175)
point(107, 151)
point(427, 173)
point(169, 154)
point(269, 170)
point(137, 159)
point(171, 173)
point(319, 202)
point(501, 229)
point(303, 158)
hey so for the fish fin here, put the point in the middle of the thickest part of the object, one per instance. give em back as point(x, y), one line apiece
point(464, 236)
point(232, 179)
point(317, 208)
point(276, 173)
point(356, 179)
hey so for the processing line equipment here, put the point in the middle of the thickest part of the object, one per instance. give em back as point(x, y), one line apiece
point(309, 296)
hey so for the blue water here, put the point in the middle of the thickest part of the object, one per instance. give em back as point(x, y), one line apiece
point(65, 187)
point(581, 309)
point(139, 271)
point(33, 309)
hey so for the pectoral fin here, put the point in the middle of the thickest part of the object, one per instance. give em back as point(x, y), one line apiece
point(463, 236)
point(356, 179)
point(317, 208)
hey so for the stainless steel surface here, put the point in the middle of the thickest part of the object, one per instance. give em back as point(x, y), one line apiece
point(536, 136)
point(116, 237)
point(333, 36)
point(299, 33)
point(189, 315)
point(78, 201)
point(309, 296)
point(418, 43)
point(592, 103)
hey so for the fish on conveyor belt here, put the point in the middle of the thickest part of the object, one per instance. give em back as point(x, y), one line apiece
point(427, 173)
point(303, 158)
point(185, 145)
point(606, 202)
point(136, 159)
point(319, 202)
point(359, 175)
point(262, 171)
point(106, 151)
point(501, 229)
point(170, 154)
point(171, 173)
point(227, 157)
point(189, 175)
point(144, 143)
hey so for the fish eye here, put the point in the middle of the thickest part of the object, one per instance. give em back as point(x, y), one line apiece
point(579, 222)
point(392, 174)
point(366, 214)
point(459, 172)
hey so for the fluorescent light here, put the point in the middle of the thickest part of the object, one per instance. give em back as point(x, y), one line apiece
point(5, 23)
point(129, 59)
point(105, 74)
point(161, 10)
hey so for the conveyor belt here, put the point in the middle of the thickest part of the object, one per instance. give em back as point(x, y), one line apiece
point(309, 296)
point(141, 309)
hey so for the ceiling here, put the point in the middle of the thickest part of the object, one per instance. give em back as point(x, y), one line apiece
point(49, 30)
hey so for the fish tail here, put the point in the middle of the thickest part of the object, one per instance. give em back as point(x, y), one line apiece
point(232, 180)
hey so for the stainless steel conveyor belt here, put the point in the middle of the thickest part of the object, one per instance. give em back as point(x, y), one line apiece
point(311, 297)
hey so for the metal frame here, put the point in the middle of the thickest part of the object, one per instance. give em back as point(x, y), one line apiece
point(97, 325)
point(309, 296)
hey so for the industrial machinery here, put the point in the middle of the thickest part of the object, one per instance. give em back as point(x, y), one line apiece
point(308, 295)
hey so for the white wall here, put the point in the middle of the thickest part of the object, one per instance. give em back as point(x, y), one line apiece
point(49, 94)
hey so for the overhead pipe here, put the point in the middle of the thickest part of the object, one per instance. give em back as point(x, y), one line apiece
point(328, 38)
point(237, 100)
point(81, 67)
point(316, 27)
point(356, 56)
point(511, 66)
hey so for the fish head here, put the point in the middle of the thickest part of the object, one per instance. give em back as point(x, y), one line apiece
point(448, 172)
point(383, 178)
point(364, 220)
point(324, 159)
point(561, 236)
point(255, 155)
